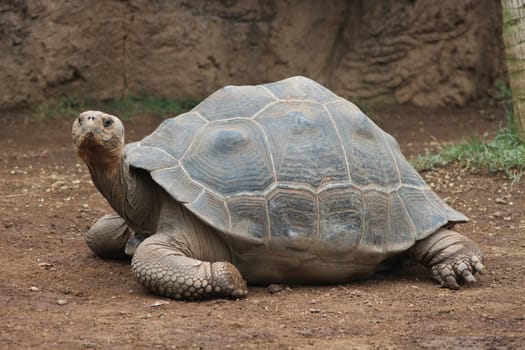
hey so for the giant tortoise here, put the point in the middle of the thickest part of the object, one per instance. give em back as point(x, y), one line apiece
point(283, 182)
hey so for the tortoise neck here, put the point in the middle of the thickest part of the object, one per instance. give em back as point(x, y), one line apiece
point(110, 180)
point(131, 193)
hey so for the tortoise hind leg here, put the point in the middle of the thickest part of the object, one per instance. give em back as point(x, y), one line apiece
point(162, 264)
point(451, 257)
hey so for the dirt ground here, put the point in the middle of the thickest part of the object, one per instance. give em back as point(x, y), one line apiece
point(55, 294)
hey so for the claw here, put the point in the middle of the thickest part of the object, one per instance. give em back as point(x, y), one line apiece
point(464, 270)
point(450, 282)
point(479, 268)
point(445, 276)
point(437, 276)
point(468, 276)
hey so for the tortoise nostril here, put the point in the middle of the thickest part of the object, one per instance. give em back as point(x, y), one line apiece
point(90, 117)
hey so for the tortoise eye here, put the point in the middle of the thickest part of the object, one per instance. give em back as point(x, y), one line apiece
point(108, 122)
point(79, 120)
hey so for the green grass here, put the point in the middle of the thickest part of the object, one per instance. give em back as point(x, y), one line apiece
point(503, 154)
point(124, 108)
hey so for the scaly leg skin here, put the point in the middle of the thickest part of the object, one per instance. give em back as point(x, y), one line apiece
point(166, 269)
point(450, 256)
point(108, 237)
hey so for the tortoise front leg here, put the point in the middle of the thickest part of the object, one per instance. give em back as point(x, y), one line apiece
point(108, 237)
point(451, 257)
point(162, 264)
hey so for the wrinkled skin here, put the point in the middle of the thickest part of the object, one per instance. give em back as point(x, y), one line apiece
point(178, 256)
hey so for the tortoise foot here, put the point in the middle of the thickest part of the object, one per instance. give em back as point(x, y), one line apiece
point(458, 267)
point(452, 257)
point(227, 281)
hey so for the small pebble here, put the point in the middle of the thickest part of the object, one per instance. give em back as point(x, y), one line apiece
point(34, 289)
point(275, 288)
point(62, 302)
point(159, 303)
point(45, 265)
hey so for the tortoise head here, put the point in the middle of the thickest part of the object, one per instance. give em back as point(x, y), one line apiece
point(98, 138)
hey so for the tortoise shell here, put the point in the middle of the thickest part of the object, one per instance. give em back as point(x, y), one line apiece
point(290, 161)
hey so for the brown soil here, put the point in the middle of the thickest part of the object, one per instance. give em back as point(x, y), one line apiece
point(55, 294)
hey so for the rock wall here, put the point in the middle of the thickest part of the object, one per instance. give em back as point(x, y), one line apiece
point(423, 52)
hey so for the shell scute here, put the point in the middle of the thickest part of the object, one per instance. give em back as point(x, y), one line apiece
point(175, 135)
point(304, 144)
point(230, 158)
point(249, 217)
point(293, 214)
point(301, 88)
point(341, 215)
point(371, 161)
point(234, 102)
